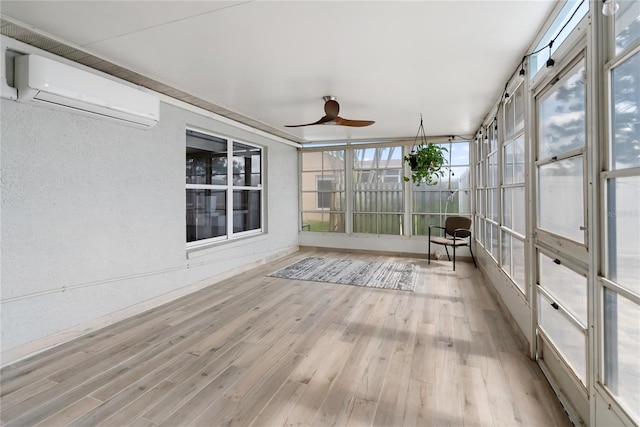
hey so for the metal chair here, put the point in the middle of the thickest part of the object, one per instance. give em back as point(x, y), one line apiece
point(459, 228)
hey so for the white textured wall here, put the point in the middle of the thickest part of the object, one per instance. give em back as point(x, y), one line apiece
point(93, 216)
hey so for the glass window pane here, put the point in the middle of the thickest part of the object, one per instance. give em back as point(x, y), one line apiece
point(390, 224)
point(561, 198)
point(494, 244)
point(323, 160)
point(506, 253)
point(365, 201)
point(312, 161)
point(479, 229)
point(365, 158)
point(309, 180)
point(519, 160)
point(378, 187)
point(323, 222)
point(566, 336)
point(309, 201)
point(206, 214)
point(622, 347)
point(421, 224)
point(480, 201)
point(517, 258)
point(507, 206)
point(493, 201)
point(625, 114)
point(457, 177)
point(507, 161)
point(493, 136)
point(518, 209)
point(569, 289)
point(562, 115)
point(566, 19)
point(390, 201)
point(492, 172)
point(518, 100)
point(206, 159)
point(428, 201)
point(509, 117)
point(458, 152)
point(377, 223)
point(458, 201)
point(627, 23)
point(246, 210)
point(623, 232)
point(246, 165)
point(326, 187)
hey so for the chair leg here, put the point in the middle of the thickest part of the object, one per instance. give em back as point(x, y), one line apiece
point(454, 257)
point(472, 257)
point(429, 249)
point(445, 248)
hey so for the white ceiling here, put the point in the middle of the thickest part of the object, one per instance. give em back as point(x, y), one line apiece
point(273, 61)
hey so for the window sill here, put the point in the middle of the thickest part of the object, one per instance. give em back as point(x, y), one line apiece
point(205, 249)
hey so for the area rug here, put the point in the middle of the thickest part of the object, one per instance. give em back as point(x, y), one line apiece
point(388, 275)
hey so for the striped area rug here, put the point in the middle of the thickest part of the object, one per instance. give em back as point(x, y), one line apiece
point(387, 275)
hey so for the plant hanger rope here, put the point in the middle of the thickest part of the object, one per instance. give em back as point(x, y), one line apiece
point(426, 160)
point(420, 135)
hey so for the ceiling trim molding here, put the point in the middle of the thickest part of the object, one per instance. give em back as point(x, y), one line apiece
point(21, 33)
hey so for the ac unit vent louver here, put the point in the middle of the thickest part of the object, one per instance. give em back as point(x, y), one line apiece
point(45, 81)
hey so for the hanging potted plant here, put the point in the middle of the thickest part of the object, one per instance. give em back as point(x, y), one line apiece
point(426, 160)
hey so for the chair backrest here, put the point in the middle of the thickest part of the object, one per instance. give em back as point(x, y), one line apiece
point(454, 222)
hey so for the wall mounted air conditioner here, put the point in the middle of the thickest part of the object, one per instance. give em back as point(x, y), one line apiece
point(42, 80)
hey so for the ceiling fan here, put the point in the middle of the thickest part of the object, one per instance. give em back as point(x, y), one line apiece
point(331, 110)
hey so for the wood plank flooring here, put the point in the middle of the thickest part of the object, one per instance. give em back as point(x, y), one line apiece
point(262, 351)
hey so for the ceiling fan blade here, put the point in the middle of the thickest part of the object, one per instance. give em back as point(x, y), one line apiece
point(353, 123)
point(323, 120)
point(331, 109)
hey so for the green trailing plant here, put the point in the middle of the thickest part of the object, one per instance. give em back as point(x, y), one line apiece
point(427, 161)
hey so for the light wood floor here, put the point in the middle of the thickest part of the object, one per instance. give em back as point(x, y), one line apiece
point(261, 351)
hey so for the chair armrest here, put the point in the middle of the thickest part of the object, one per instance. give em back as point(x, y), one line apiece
point(457, 230)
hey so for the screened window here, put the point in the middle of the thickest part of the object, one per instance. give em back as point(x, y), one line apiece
point(561, 146)
point(621, 350)
point(325, 186)
point(620, 288)
point(378, 196)
point(223, 187)
point(323, 191)
point(568, 18)
point(513, 190)
point(562, 311)
point(625, 92)
point(431, 204)
point(627, 24)
point(480, 211)
point(623, 231)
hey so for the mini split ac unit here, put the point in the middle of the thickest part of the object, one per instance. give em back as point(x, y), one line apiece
point(45, 81)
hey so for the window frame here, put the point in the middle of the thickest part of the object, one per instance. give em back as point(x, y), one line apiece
point(608, 339)
point(578, 250)
point(230, 189)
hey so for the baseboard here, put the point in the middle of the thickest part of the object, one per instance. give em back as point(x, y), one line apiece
point(419, 255)
point(38, 346)
point(520, 337)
